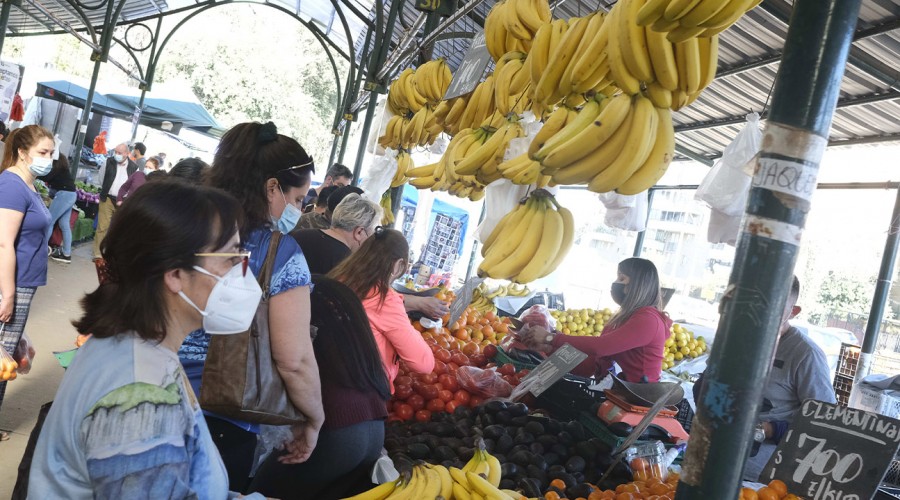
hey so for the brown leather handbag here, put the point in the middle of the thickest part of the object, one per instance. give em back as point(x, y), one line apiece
point(240, 380)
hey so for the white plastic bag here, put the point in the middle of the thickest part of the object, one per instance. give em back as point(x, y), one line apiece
point(723, 228)
point(500, 198)
point(628, 212)
point(24, 355)
point(727, 184)
point(378, 176)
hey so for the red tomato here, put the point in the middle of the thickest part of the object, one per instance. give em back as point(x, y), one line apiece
point(462, 397)
point(402, 392)
point(523, 373)
point(436, 405)
point(440, 386)
point(393, 418)
point(423, 416)
point(446, 395)
point(475, 401)
point(460, 359)
point(428, 391)
point(404, 412)
point(478, 360)
point(416, 401)
point(440, 367)
point(489, 351)
point(443, 355)
point(434, 347)
point(427, 378)
point(449, 382)
point(403, 380)
point(507, 369)
point(452, 367)
point(451, 406)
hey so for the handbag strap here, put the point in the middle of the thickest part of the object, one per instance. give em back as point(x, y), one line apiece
point(265, 273)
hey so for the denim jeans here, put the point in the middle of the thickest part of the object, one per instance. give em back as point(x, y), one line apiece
point(61, 210)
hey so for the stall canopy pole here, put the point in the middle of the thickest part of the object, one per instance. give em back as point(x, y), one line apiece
point(803, 102)
point(4, 20)
point(374, 85)
point(639, 241)
point(882, 289)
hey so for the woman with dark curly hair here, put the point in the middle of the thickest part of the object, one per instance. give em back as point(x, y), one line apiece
point(269, 174)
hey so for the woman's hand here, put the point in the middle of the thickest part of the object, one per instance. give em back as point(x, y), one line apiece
point(535, 337)
point(431, 307)
point(306, 435)
point(7, 304)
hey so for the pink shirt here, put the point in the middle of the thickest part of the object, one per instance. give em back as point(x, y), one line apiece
point(396, 338)
point(637, 346)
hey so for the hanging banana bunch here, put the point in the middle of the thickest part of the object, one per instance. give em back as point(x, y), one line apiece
point(684, 19)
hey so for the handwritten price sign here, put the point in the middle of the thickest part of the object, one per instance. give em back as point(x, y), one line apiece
point(834, 453)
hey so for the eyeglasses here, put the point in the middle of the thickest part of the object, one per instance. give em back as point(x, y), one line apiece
point(245, 258)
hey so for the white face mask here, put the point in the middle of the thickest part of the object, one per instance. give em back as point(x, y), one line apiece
point(119, 158)
point(232, 302)
point(41, 166)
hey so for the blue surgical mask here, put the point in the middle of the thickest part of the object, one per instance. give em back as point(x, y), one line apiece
point(41, 166)
point(119, 158)
point(289, 218)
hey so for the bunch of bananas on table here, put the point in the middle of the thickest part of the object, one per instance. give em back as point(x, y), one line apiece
point(529, 242)
point(483, 297)
point(684, 19)
point(481, 476)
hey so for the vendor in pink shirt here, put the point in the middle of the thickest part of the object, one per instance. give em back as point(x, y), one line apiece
point(369, 272)
point(634, 338)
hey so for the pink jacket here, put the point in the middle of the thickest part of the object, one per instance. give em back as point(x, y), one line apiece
point(396, 338)
point(637, 346)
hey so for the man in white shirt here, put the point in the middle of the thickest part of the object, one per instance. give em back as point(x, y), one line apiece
point(118, 169)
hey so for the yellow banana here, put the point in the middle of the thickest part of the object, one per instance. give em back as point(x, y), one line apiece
point(659, 96)
point(662, 55)
point(597, 132)
point(446, 480)
point(433, 485)
point(554, 123)
point(659, 159)
point(514, 25)
point(550, 241)
point(422, 182)
point(495, 32)
point(379, 492)
point(651, 11)
point(702, 12)
point(617, 69)
point(508, 221)
point(728, 15)
point(632, 41)
point(456, 110)
point(485, 152)
point(663, 25)
point(588, 167)
point(637, 149)
point(585, 117)
point(423, 171)
point(537, 57)
point(560, 58)
point(528, 14)
point(568, 222)
point(590, 53)
point(481, 486)
point(683, 33)
point(511, 237)
point(687, 54)
point(678, 9)
point(709, 59)
point(523, 253)
point(460, 492)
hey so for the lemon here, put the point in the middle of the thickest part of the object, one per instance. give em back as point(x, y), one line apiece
point(694, 353)
point(566, 331)
point(679, 356)
point(685, 350)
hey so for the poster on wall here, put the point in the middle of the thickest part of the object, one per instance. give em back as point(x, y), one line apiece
point(9, 82)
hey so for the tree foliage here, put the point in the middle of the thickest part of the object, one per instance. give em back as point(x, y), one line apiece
point(841, 294)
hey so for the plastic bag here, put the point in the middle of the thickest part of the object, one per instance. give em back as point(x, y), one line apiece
point(726, 186)
point(486, 383)
point(8, 365)
point(271, 438)
point(723, 228)
point(628, 212)
point(538, 315)
point(500, 198)
point(379, 175)
point(24, 355)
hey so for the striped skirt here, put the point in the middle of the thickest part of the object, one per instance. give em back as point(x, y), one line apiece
point(12, 331)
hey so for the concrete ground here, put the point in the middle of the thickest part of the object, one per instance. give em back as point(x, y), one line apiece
point(49, 327)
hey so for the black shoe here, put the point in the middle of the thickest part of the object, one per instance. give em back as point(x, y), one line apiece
point(59, 257)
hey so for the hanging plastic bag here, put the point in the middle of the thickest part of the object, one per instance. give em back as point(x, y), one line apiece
point(500, 198)
point(486, 383)
point(24, 355)
point(723, 228)
point(8, 365)
point(538, 315)
point(378, 176)
point(628, 212)
point(726, 186)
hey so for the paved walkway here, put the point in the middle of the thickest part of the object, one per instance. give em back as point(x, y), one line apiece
point(49, 327)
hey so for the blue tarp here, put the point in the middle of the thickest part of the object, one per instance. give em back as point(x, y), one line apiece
point(411, 199)
point(184, 110)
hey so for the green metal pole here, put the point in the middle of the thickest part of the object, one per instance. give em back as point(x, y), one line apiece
point(4, 20)
point(141, 106)
point(344, 140)
point(379, 55)
point(85, 118)
point(805, 94)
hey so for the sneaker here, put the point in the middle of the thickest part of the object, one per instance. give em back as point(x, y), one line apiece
point(59, 257)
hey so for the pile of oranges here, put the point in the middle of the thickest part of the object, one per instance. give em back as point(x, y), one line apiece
point(470, 334)
point(654, 489)
point(776, 490)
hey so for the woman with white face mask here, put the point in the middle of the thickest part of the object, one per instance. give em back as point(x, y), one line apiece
point(24, 220)
point(269, 174)
point(125, 422)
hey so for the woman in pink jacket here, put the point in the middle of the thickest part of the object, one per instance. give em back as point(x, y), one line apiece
point(369, 272)
point(634, 338)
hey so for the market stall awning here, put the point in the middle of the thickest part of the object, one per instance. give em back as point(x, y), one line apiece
point(178, 107)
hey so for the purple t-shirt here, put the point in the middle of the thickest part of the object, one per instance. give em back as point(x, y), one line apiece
point(31, 242)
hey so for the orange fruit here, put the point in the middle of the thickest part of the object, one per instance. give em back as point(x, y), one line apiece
point(625, 496)
point(748, 494)
point(551, 495)
point(779, 487)
point(558, 483)
point(659, 489)
point(766, 493)
point(461, 334)
point(418, 326)
point(471, 349)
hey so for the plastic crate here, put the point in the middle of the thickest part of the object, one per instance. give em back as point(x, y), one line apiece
point(685, 415)
point(848, 360)
point(842, 386)
point(599, 430)
point(568, 398)
point(503, 358)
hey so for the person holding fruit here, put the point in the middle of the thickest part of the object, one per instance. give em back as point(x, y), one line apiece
point(369, 272)
point(634, 337)
point(125, 422)
point(354, 390)
point(24, 223)
point(269, 174)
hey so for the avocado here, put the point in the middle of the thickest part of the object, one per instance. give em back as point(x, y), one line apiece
point(443, 453)
point(489, 445)
point(443, 429)
point(494, 431)
point(495, 406)
point(465, 454)
point(560, 450)
point(524, 438)
point(539, 462)
point(534, 428)
point(509, 469)
point(581, 490)
point(575, 464)
point(462, 412)
point(552, 459)
point(530, 487)
point(519, 421)
point(565, 438)
point(520, 458)
point(537, 448)
point(576, 430)
point(507, 484)
point(555, 470)
point(547, 440)
point(418, 451)
point(504, 443)
point(585, 451)
point(538, 474)
point(518, 410)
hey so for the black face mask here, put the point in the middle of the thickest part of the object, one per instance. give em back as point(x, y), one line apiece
point(618, 292)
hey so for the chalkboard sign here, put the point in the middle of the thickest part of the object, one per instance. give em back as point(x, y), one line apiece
point(471, 69)
point(834, 453)
point(555, 367)
point(463, 298)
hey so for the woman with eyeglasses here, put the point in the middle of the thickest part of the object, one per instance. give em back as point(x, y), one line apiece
point(369, 272)
point(269, 174)
point(125, 422)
